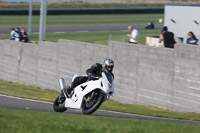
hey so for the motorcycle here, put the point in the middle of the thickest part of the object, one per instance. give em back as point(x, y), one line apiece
point(87, 96)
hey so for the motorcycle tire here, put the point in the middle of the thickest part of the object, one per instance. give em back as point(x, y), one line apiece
point(89, 111)
point(59, 106)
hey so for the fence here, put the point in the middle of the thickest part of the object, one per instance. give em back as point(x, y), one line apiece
point(166, 78)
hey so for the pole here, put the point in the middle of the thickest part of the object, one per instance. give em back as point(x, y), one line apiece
point(30, 21)
point(110, 37)
point(124, 38)
point(43, 14)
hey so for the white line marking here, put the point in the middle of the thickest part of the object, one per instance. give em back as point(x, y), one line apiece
point(59, 32)
point(137, 115)
point(25, 99)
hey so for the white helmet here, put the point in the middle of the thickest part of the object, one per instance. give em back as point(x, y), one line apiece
point(108, 65)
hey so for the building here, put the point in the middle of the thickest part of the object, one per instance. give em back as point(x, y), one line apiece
point(182, 18)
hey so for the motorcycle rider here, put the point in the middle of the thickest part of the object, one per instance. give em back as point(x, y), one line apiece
point(94, 71)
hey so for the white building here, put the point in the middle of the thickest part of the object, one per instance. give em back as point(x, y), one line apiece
point(182, 18)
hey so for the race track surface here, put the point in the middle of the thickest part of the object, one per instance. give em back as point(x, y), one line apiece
point(60, 29)
point(28, 104)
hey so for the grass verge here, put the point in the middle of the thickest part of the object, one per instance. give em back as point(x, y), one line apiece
point(75, 20)
point(39, 122)
point(97, 37)
point(15, 121)
point(19, 90)
point(27, 91)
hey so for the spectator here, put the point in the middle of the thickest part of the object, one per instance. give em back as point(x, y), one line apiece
point(191, 39)
point(12, 33)
point(17, 34)
point(24, 36)
point(167, 37)
point(134, 35)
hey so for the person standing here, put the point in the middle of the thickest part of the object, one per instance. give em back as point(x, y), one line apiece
point(191, 39)
point(134, 35)
point(12, 33)
point(17, 34)
point(24, 36)
point(167, 37)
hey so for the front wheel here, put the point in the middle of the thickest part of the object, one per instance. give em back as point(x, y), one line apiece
point(93, 102)
point(59, 104)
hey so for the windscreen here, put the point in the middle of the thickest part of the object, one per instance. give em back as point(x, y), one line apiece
point(109, 77)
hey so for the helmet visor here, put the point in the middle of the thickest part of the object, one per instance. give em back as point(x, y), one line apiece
point(109, 68)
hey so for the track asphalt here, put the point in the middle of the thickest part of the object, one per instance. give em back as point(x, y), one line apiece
point(35, 105)
point(61, 29)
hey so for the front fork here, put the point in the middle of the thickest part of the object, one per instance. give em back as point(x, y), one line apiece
point(62, 97)
point(93, 95)
point(90, 97)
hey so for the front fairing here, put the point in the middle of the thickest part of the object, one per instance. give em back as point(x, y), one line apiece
point(107, 85)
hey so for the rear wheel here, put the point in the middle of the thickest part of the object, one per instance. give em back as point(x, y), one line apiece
point(59, 104)
point(92, 102)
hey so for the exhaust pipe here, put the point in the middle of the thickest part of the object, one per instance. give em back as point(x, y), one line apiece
point(62, 83)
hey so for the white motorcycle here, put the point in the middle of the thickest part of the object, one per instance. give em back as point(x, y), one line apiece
point(87, 96)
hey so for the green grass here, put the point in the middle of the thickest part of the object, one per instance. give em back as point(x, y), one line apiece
point(97, 37)
point(75, 20)
point(15, 121)
point(31, 92)
point(148, 110)
point(25, 91)
point(81, 6)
